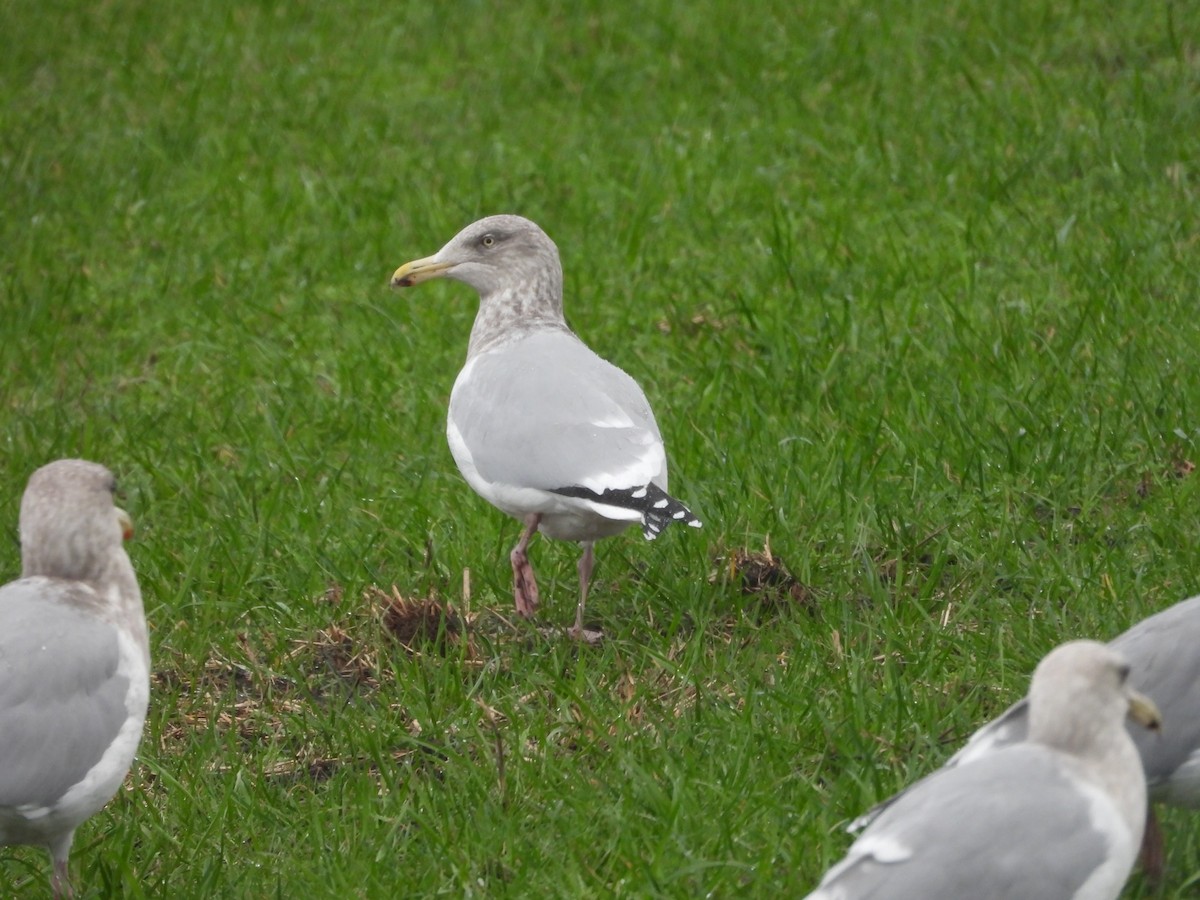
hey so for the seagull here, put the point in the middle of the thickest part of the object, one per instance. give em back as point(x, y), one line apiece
point(74, 661)
point(1059, 815)
point(1164, 657)
point(539, 425)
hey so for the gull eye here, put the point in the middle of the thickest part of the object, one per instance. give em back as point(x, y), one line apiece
point(1123, 672)
point(487, 241)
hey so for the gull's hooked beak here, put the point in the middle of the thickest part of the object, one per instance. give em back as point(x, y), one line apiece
point(125, 522)
point(1143, 711)
point(420, 270)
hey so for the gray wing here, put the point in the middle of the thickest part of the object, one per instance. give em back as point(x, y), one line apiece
point(1013, 825)
point(1164, 657)
point(1010, 727)
point(546, 412)
point(61, 699)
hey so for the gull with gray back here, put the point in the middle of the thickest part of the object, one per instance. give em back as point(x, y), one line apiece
point(540, 426)
point(1164, 658)
point(1058, 816)
point(74, 662)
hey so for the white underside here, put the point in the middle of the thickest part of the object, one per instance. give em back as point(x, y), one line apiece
point(1107, 879)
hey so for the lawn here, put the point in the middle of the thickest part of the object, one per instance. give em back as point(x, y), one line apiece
point(912, 287)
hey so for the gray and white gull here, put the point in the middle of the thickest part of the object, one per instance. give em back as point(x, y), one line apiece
point(74, 662)
point(1163, 652)
point(540, 426)
point(1057, 816)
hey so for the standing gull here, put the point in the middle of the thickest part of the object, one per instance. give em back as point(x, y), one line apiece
point(539, 425)
point(74, 661)
point(1058, 816)
point(1164, 658)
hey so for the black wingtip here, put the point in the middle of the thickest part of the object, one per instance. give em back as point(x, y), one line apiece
point(658, 508)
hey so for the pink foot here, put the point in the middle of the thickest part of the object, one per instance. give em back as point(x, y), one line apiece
point(525, 589)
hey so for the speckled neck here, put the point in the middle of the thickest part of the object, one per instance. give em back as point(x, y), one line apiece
point(70, 531)
point(129, 612)
point(112, 578)
point(530, 304)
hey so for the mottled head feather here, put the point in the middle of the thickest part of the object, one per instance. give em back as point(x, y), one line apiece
point(69, 525)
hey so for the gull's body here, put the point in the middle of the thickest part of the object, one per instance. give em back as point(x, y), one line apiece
point(539, 425)
point(1059, 816)
point(1164, 658)
point(74, 662)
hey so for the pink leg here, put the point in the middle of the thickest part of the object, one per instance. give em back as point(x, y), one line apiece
point(1153, 856)
point(585, 576)
point(60, 881)
point(525, 589)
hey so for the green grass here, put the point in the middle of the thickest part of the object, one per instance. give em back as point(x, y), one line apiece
point(912, 287)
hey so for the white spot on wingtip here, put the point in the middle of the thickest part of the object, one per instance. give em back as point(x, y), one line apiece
point(679, 514)
point(638, 494)
point(661, 504)
point(617, 419)
point(695, 523)
point(884, 848)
